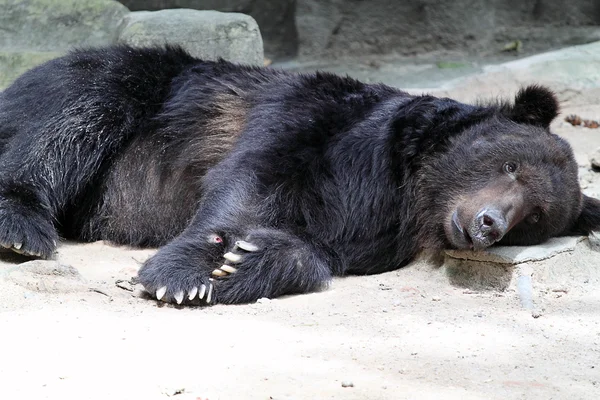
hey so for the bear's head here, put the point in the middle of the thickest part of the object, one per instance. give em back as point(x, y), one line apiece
point(504, 179)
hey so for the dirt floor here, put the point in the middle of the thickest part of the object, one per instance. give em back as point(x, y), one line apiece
point(78, 332)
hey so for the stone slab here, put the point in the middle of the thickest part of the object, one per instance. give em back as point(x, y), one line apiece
point(519, 254)
point(205, 34)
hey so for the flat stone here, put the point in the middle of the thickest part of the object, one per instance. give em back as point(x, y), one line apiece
point(276, 18)
point(519, 254)
point(595, 159)
point(46, 276)
point(594, 240)
point(204, 34)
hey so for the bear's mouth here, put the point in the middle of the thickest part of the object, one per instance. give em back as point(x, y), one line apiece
point(460, 237)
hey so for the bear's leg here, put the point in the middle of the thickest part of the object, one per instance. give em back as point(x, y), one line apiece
point(44, 169)
point(229, 269)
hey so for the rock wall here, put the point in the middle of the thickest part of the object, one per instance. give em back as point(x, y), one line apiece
point(334, 28)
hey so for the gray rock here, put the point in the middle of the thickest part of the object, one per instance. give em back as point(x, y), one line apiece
point(594, 241)
point(205, 34)
point(595, 159)
point(46, 276)
point(519, 254)
point(276, 18)
point(571, 263)
point(51, 25)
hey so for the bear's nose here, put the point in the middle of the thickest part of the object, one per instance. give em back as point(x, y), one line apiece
point(491, 226)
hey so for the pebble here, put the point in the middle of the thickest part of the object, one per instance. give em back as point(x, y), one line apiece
point(595, 159)
point(436, 298)
point(347, 384)
point(594, 240)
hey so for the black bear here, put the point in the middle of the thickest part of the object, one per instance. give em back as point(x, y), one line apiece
point(259, 183)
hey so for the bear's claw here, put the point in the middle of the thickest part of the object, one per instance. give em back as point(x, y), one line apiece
point(229, 269)
point(246, 246)
point(234, 258)
point(193, 293)
point(202, 291)
point(180, 295)
point(17, 248)
point(161, 292)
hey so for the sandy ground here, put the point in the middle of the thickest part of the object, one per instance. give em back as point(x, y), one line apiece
point(72, 333)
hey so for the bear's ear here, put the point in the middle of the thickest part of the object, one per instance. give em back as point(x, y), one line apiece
point(589, 218)
point(534, 105)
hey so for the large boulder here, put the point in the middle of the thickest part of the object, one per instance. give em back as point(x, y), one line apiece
point(205, 34)
point(35, 31)
point(276, 18)
point(54, 25)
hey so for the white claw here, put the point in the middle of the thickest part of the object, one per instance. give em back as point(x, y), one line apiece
point(179, 297)
point(161, 292)
point(202, 291)
point(228, 268)
point(18, 246)
point(193, 293)
point(246, 245)
point(234, 258)
point(209, 295)
point(218, 272)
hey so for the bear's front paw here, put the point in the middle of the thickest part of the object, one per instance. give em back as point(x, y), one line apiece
point(268, 263)
point(173, 280)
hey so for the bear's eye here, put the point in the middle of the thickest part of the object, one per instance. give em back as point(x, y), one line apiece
point(533, 218)
point(510, 167)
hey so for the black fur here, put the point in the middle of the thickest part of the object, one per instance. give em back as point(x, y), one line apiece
point(326, 175)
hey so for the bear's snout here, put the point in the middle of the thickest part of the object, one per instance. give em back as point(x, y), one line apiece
point(477, 232)
point(488, 227)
